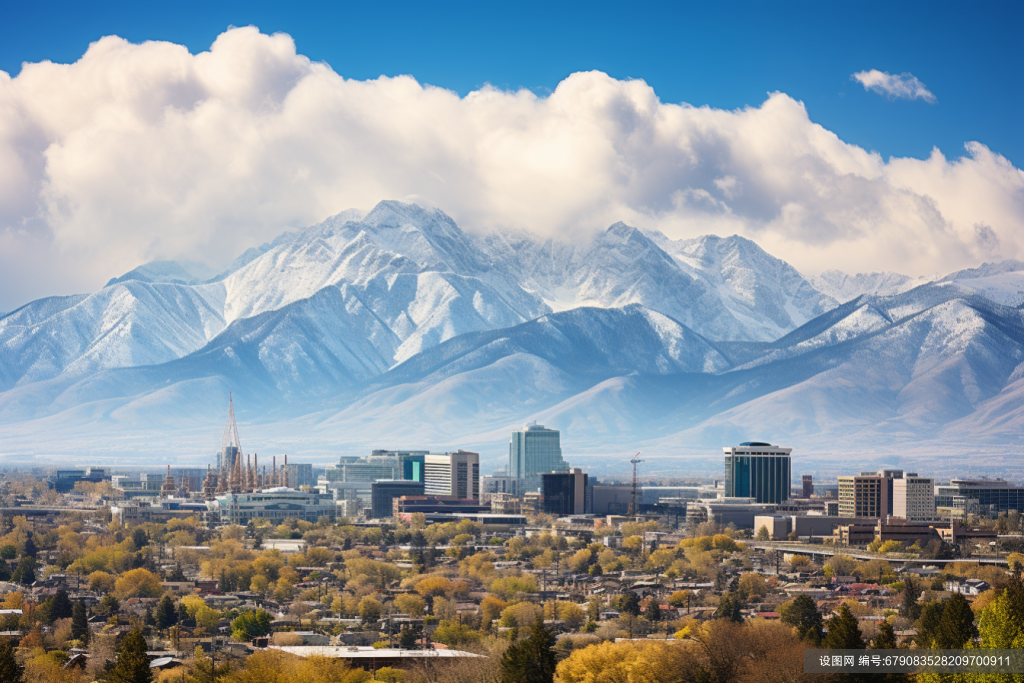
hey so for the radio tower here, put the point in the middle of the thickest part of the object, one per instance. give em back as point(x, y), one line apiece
point(231, 449)
point(632, 498)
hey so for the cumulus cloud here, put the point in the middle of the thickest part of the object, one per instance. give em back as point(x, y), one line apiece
point(140, 152)
point(903, 86)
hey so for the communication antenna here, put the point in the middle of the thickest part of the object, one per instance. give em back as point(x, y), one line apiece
point(632, 498)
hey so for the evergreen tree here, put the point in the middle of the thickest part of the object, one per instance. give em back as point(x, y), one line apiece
point(843, 631)
point(109, 605)
point(911, 594)
point(630, 604)
point(25, 574)
point(407, 639)
point(928, 624)
point(729, 608)
point(177, 574)
point(139, 538)
point(60, 606)
point(132, 663)
point(886, 638)
point(10, 671)
point(804, 615)
point(30, 545)
point(653, 610)
point(957, 625)
point(166, 613)
point(224, 585)
point(5, 571)
point(80, 623)
point(531, 660)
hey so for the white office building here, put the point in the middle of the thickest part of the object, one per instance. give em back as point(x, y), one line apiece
point(453, 474)
point(276, 504)
point(913, 498)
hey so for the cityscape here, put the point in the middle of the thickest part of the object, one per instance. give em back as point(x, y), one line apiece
point(406, 564)
point(534, 342)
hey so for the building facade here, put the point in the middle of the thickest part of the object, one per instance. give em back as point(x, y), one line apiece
point(978, 496)
point(384, 492)
point(806, 486)
point(274, 504)
point(566, 493)
point(863, 495)
point(913, 498)
point(758, 470)
point(453, 474)
point(532, 452)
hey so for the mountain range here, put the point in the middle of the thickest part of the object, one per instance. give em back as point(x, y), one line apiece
point(398, 329)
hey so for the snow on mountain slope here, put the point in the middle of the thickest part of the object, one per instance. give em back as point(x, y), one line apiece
point(844, 287)
point(1002, 282)
point(126, 324)
point(175, 272)
point(767, 295)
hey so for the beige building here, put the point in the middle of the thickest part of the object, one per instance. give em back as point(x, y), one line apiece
point(452, 474)
point(863, 495)
point(913, 498)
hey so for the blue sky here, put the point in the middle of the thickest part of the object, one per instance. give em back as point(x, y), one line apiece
point(725, 55)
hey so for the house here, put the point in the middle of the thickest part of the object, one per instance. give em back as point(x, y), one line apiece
point(971, 587)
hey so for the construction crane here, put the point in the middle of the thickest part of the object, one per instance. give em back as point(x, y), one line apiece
point(632, 498)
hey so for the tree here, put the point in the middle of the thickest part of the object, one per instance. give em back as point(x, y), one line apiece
point(803, 614)
point(531, 660)
point(927, 624)
point(25, 574)
point(452, 633)
point(109, 605)
point(885, 639)
point(369, 609)
point(630, 604)
point(132, 663)
point(79, 624)
point(251, 624)
point(729, 607)
point(59, 606)
point(30, 545)
point(911, 594)
point(138, 583)
point(762, 533)
point(166, 613)
point(407, 639)
point(653, 612)
point(139, 538)
point(10, 670)
point(957, 625)
point(843, 631)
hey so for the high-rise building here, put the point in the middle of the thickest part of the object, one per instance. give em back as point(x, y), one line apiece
point(532, 452)
point(807, 486)
point(566, 493)
point(986, 496)
point(384, 492)
point(757, 470)
point(864, 495)
point(913, 498)
point(300, 474)
point(453, 474)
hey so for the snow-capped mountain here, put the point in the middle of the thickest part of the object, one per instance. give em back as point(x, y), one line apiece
point(844, 287)
point(398, 323)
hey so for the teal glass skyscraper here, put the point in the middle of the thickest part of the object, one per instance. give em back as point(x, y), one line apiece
point(757, 470)
point(533, 452)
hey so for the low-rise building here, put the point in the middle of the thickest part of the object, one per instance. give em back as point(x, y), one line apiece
point(275, 504)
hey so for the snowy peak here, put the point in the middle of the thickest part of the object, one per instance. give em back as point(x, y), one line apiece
point(844, 287)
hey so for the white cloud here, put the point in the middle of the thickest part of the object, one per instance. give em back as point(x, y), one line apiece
point(904, 86)
point(138, 152)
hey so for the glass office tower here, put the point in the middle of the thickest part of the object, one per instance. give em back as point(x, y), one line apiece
point(532, 452)
point(757, 470)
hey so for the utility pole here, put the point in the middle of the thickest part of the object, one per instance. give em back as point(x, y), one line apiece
point(632, 498)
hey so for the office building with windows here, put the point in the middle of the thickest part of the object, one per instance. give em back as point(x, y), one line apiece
point(566, 493)
point(532, 452)
point(384, 492)
point(864, 495)
point(987, 497)
point(453, 474)
point(275, 504)
point(758, 470)
point(806, 486)
point(913, 498)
